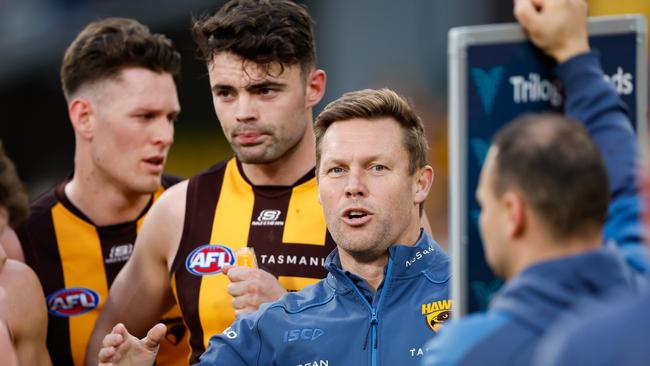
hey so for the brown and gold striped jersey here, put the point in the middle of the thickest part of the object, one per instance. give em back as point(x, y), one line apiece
point(224, 212)
point(76, 262)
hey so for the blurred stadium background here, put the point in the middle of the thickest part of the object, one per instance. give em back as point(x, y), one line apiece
point(360, 43)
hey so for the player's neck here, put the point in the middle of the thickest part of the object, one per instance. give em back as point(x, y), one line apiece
point(286, 170)
point(104, 203)
point(546, 248)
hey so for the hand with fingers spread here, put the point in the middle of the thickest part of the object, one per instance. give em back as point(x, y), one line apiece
point(251, 287)
point(558, 27)
point(120, 348)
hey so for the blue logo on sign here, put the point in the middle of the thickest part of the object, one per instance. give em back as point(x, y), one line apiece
point(487, 84)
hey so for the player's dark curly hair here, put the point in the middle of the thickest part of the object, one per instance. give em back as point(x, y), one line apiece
point(265, 32)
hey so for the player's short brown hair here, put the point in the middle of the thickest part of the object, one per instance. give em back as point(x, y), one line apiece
point(105, 47)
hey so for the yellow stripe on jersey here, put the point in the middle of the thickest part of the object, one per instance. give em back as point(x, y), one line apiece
point(296, 283)
point(305, 223)
point(81, 255)
point(230, 227)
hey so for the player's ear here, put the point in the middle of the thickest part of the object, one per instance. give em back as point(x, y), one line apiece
point(315, 84)
point(81, 112)
point(516, 212)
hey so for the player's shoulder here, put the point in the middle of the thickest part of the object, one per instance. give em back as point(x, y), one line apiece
point(19, 277)
point(172, 201)
point(43, 203)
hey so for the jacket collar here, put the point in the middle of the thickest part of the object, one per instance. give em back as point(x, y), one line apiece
point(425, 257)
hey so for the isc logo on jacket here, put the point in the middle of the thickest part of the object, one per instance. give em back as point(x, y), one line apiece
point(209, 259)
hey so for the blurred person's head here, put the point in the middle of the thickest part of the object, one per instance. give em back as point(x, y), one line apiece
point(543, 192)
point(261, 62)
point(372, 171)
point(14, 203)
point(119, 80)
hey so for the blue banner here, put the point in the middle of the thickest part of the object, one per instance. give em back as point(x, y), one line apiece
point(505, 80)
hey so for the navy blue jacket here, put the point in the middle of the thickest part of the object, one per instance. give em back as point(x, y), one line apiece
point(613, 333)
point(527, 305)
point(338, 322)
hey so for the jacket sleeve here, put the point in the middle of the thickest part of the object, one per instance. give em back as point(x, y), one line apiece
point(238, 345)
point(593, 101)
point(457, 343)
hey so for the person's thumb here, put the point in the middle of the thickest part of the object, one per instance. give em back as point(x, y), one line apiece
point(155, 336)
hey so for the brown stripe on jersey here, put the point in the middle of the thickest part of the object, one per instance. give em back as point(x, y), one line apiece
point(117, 244)
point(201, 202)
point(267, 222)
point(38, 240)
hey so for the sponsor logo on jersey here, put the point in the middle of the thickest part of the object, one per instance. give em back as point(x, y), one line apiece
point(119, 253)
point(300, 260)
point(72, 301)
point(437, 313)
point(209, 259)
point(268, 218)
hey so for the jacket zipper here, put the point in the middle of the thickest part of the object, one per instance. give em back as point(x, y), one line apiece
point(374, 317)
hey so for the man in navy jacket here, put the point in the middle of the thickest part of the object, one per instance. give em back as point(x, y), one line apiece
point(386, 292)
point(544, 194)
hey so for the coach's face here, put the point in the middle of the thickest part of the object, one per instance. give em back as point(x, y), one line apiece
point(369, 198)
point(265, 113)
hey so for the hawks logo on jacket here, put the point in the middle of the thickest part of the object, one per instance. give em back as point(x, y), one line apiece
point(209, 259)
point(437, 313)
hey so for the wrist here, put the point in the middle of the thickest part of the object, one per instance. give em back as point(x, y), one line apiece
point(566, 53)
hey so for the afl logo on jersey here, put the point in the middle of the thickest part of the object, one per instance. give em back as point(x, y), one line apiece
point(72, 301)
point(209, 259)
